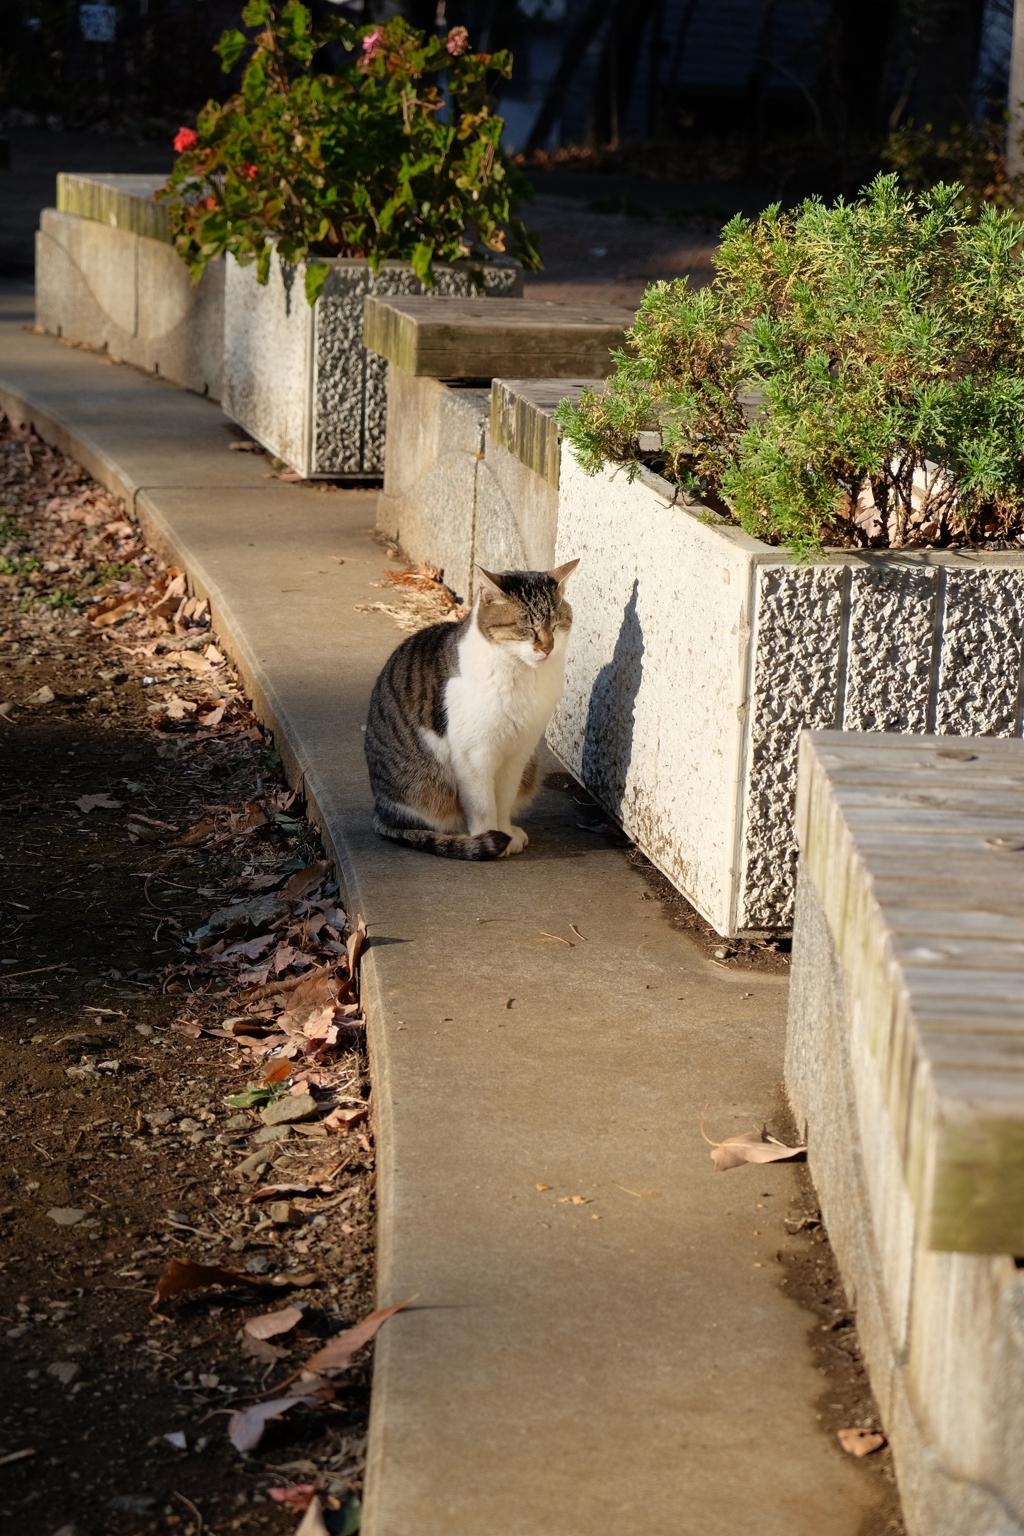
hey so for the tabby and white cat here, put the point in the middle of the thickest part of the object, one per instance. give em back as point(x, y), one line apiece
point(458, 712)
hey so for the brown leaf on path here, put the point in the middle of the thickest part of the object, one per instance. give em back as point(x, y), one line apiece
point(259, 1349)
point(305, 881)
point(184, 1275)
point(246, 1425)
point(342, 1119)
point(337, 1355)
point(288, 984)
point(213, 716)
point(263, 882)
point(313, 1521)
point(860, 1442)
point(316, 991)
point(321, 1026)
point(354, 946)
point(268, 1324)
point(284, 955)
point(197, 834)
point(751, 1147)
point(111, 611)
point(278, 1072)
point(89, 803)
point(151, 821)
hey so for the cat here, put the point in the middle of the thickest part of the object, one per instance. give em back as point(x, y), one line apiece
point(458, 712)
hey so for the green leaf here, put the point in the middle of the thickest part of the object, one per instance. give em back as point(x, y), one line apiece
point(231, 47)
point(250, 1098)
point(316, 275)
point(350, 1516)
point(420, 256)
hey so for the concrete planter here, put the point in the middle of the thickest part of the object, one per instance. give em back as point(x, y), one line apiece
point(471, 474)
point(699, 654)
point(129, 293)
point(300, 380)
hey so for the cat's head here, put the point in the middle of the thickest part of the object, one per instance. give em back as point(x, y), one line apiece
point(525, 610)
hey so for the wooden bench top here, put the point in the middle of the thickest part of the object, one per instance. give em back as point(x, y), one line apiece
point(521, 338)
point(915, 846)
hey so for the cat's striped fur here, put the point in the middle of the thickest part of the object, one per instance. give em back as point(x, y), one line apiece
point(458, 712)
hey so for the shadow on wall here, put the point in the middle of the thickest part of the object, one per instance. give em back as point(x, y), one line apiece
point(608, 737)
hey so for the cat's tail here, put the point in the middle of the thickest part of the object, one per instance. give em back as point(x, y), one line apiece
point(448, 845)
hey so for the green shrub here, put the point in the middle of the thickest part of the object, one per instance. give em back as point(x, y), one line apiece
point(853, 375)
point(394, 155)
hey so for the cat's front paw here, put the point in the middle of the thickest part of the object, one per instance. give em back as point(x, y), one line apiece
point(517, 841)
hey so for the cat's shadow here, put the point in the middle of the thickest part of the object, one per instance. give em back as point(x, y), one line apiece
point(608, 734)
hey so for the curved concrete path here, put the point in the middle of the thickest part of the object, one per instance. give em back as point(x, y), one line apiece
point(570, 1369)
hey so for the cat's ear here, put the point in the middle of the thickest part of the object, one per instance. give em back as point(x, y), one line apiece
point(561, 573)
point(490, 587)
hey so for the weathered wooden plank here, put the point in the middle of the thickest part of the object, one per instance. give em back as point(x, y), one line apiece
point(523, 419)
point(925, 902)
point(514, 338)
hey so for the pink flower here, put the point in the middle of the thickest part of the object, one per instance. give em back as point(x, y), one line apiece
point(185, 138)
point(373, 42)
point(458, 41)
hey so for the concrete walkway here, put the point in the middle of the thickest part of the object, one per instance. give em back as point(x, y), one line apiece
point(630, 1363)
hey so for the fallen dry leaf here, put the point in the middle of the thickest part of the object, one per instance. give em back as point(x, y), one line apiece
point(270, 1323)
point(89, 803)
point(296, 1497)
point(259, 1349)
point(340, 1119)
point(860, 1442)
point(183, 1275)
point(751, 1147)
point(246, 1425)
point(197, 834)
point(354, 945)
point(337, 1355)
point(305, 881)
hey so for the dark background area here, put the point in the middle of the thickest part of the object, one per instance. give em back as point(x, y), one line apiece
point(671, 107)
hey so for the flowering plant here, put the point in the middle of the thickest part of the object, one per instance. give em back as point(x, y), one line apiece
point(375, 160)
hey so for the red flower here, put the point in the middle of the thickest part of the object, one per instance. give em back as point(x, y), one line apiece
point(247, 170)
point(185, 138)
point(208, 202)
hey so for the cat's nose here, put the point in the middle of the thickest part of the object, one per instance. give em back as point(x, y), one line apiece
point(545, 643)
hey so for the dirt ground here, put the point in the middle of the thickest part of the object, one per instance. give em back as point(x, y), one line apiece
point(118, 1152)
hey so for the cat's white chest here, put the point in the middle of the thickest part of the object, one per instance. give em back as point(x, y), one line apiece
point(497, 701)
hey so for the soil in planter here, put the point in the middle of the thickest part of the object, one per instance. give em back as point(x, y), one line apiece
point(118, 1152)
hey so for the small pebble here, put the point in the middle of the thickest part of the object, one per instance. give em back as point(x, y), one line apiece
point(144, 1029)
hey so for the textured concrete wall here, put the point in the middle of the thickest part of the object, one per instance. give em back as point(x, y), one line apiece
point(942, 1332)
point(652, 718)
point(435, 446)
point(300, 380)
point(904, 641)
point(908, 641)
point(132, 295)
point(516, 514)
